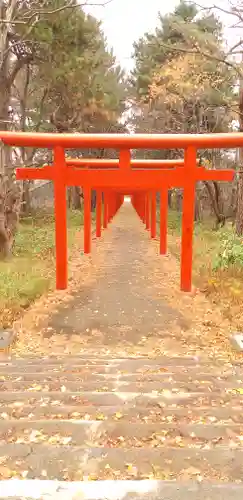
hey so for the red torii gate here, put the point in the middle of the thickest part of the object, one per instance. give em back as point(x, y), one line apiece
point(144, 210)
point(141, 204)
point(125, 175)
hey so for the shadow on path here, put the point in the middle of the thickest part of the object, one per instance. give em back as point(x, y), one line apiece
point(121, 306)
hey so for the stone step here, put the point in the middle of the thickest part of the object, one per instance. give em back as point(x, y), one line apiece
point(118, 490)
point(100, 371)
point(73, 463)
point(115, 365)
point(168, 413)
point(149, 399)
point(121, 386)
point(119, 355)
point(84, 359)
point(88, 375)
point(120, 434)
point(120, 418)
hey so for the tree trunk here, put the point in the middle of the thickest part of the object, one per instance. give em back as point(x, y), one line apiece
point(170, 198)
point(26, 198)
point(178, 200)
point(74, 195)
point(9, 192)
point(239, 210)
point(5, 244)
point(93, 200)
point(214, 195)
point(197, 210)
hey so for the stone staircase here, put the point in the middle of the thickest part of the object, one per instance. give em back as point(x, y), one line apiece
point(97, 428)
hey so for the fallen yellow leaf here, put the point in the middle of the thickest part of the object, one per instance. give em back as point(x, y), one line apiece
point(118, 415)
point(100, 416)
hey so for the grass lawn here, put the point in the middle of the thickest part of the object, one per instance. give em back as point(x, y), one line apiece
point(223, 286)
point(31, 270)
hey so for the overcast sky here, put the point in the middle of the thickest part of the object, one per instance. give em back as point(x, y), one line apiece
point(124, 21)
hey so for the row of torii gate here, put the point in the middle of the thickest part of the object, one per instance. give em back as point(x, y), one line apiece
point(141, 179)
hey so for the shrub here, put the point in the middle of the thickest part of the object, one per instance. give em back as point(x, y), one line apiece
point(230, 252)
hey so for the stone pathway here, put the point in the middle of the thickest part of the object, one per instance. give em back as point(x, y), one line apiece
point(127, 389)
point(124, 299)
point(121, 310)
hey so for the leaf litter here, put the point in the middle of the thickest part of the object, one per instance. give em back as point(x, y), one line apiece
point(197, 344)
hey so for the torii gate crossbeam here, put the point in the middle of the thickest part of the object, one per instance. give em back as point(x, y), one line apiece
point(126, 174)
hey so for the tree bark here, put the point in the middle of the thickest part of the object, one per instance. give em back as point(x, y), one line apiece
point(26, 198)
point(93, 200)
point(197, 210)
point(170, 198)
point(239, 210)
point(213, 191)
point(74, 197)
point(5, 233)
point(9, 192)
point(178, 200)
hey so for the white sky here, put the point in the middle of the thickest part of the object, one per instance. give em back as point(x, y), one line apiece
point(124, 21)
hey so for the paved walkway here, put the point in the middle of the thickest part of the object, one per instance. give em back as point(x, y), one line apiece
point(127, 299)
point(122, 377)
point(121, 308)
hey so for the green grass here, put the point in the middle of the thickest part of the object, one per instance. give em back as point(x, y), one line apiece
point(223, 286)
point(31, 270)
point(174, 222)
point(206, 242)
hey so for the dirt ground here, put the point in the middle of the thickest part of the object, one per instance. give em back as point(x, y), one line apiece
point(124, 299)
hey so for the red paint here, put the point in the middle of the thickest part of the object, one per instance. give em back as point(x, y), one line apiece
point(147, 219)
point(105, 211)
point(60, 209)
point(124, 157)
point(123, 141)
point(188, 220)
point(145, 180)
point(98, 213)
point(153, 214)
point(109, 206)
point(139, 178)
point(87, 220)
point(163, 220)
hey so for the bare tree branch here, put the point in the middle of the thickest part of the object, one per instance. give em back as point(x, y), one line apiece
point(15, 44)
point(19, 63)
point(35, 17)
point(27, 19)
point(232, 12)
point(4, 31)
point(232, 49)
